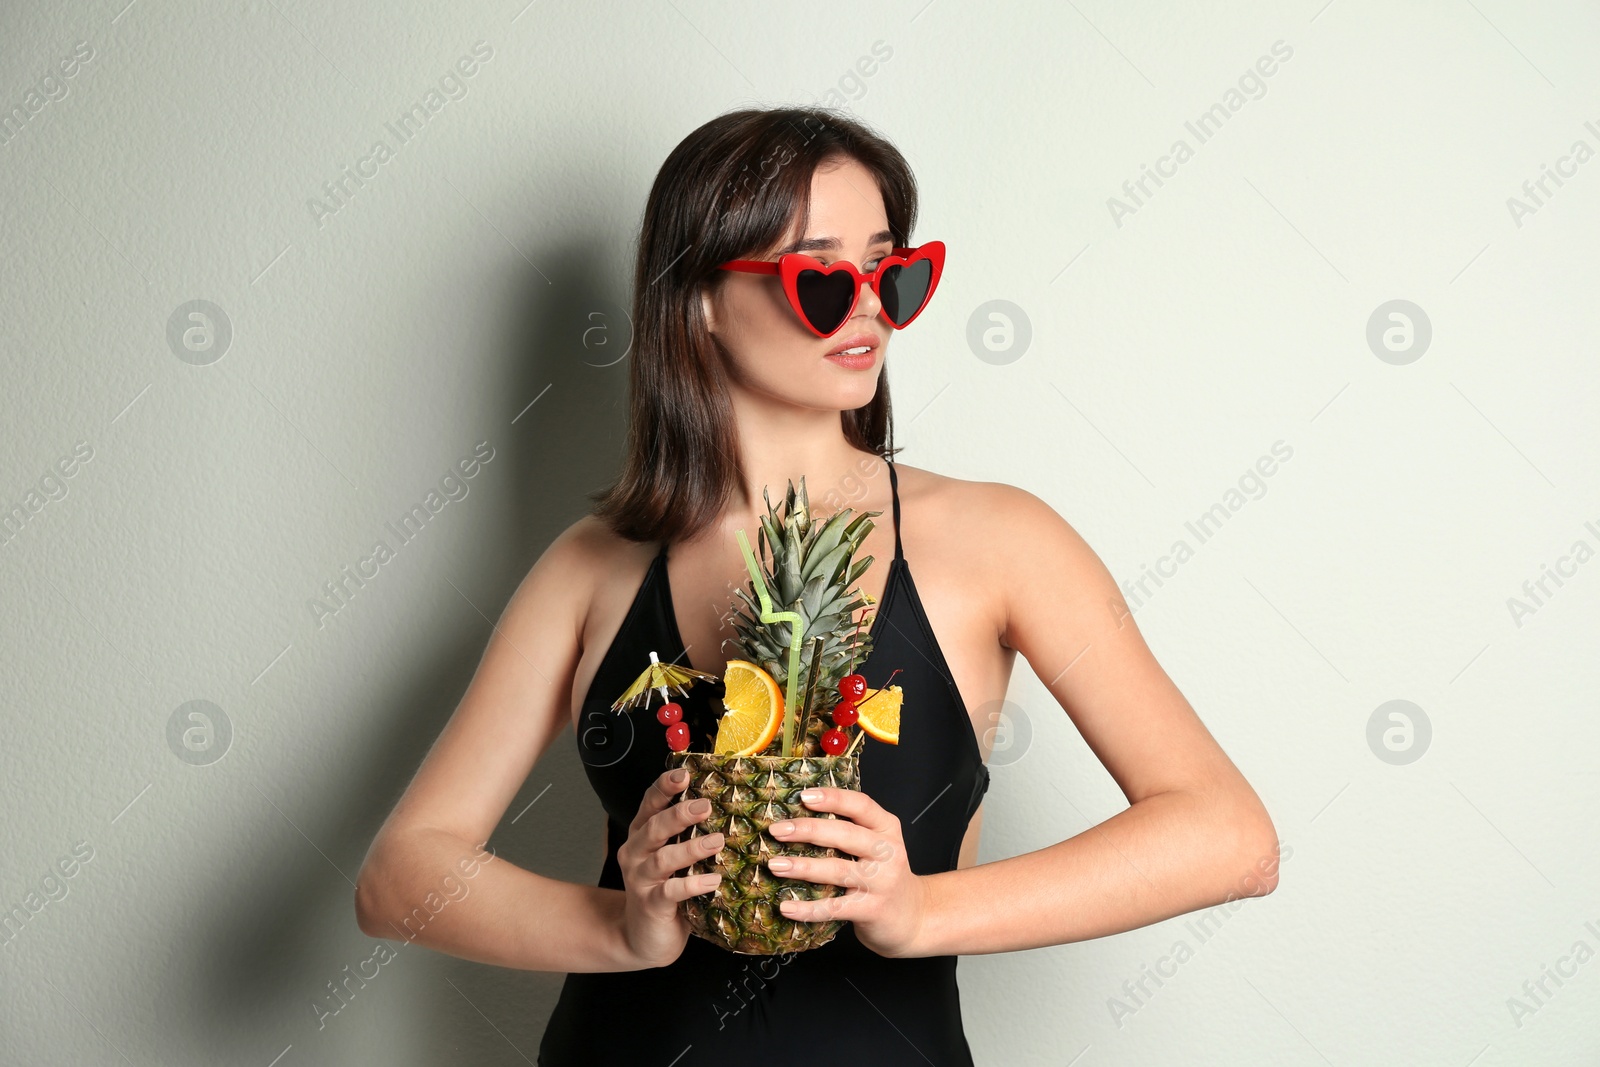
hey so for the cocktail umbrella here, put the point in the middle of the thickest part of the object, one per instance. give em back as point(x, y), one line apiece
point(663, 678)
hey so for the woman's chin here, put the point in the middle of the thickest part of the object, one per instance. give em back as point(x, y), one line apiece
point(829, 399)
point(829, 390)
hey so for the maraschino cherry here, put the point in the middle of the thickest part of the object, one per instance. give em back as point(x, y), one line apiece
point(678, 736)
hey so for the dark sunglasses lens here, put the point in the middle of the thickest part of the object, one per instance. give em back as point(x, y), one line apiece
point(904, 290)
point(825, 298)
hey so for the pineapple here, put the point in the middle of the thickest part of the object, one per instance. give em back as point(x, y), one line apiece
point(749, 794)
point(811, 571)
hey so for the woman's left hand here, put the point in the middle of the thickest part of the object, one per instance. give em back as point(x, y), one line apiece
point(884, 900)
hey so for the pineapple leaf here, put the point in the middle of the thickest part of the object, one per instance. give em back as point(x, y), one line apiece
point(860, 525)
point(811, 599)
point(829, 536)
point(828, 567)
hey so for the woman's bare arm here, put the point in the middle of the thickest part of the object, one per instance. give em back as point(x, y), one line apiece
point(1195, 833)
point(425, 878)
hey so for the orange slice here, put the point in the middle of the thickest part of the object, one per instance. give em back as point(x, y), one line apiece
point(754, 710)
point(880, 713)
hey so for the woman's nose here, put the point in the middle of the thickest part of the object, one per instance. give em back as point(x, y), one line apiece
point(869, 305)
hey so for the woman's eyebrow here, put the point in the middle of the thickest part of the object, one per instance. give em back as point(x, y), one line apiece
point(829, 244)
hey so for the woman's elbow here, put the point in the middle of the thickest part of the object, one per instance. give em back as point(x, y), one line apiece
point(366, 910)
point(1260, 854)
point(371, 914)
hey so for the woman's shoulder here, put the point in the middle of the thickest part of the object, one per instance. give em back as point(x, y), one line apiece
point(1002, 544)
point(969, 503)
point(590, 549)
point(995, 531)
point(589, 568)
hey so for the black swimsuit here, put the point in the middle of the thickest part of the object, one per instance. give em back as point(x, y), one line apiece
point(842, 1002)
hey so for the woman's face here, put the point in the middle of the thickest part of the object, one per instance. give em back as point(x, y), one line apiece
point(770, 351)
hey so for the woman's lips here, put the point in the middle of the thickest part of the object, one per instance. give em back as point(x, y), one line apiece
point(863, 361)
point(842, 355)
point(857, 340)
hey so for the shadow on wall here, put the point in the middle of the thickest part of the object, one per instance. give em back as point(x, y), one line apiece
point(564, 351)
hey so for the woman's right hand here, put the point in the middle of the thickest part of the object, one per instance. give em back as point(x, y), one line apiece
point(652, 925)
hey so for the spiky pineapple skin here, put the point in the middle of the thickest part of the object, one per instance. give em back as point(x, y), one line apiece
point(748, 794)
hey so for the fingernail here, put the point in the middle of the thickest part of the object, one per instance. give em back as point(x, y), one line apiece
point(778, 863)
point(680, 776)
point(701, 806)
point(713, 841)
point(782, 827)
point(810, 794)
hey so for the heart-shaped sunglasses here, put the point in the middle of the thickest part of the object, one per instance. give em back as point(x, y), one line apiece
point(824, 295)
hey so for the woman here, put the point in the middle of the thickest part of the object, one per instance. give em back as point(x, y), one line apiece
point(739, 383)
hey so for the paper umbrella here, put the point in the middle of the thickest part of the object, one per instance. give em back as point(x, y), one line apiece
point(661, 677)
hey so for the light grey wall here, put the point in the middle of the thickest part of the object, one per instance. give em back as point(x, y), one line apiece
point(374, 343)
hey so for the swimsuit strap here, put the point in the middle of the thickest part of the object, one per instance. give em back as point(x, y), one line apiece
point(894, 487)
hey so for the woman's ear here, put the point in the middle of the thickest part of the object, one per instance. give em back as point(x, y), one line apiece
point(706, 303)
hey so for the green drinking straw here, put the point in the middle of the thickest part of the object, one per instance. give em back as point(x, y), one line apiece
point(795, 637)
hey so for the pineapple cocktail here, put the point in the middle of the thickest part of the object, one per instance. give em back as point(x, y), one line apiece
point(790, 703)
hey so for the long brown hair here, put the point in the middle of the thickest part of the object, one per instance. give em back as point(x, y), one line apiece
point(729, 190)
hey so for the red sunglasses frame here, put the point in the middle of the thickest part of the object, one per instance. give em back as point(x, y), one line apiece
point(789, 266)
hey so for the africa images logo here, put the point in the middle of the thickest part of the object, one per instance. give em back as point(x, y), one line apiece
point(338, 192)
point(453, 487)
